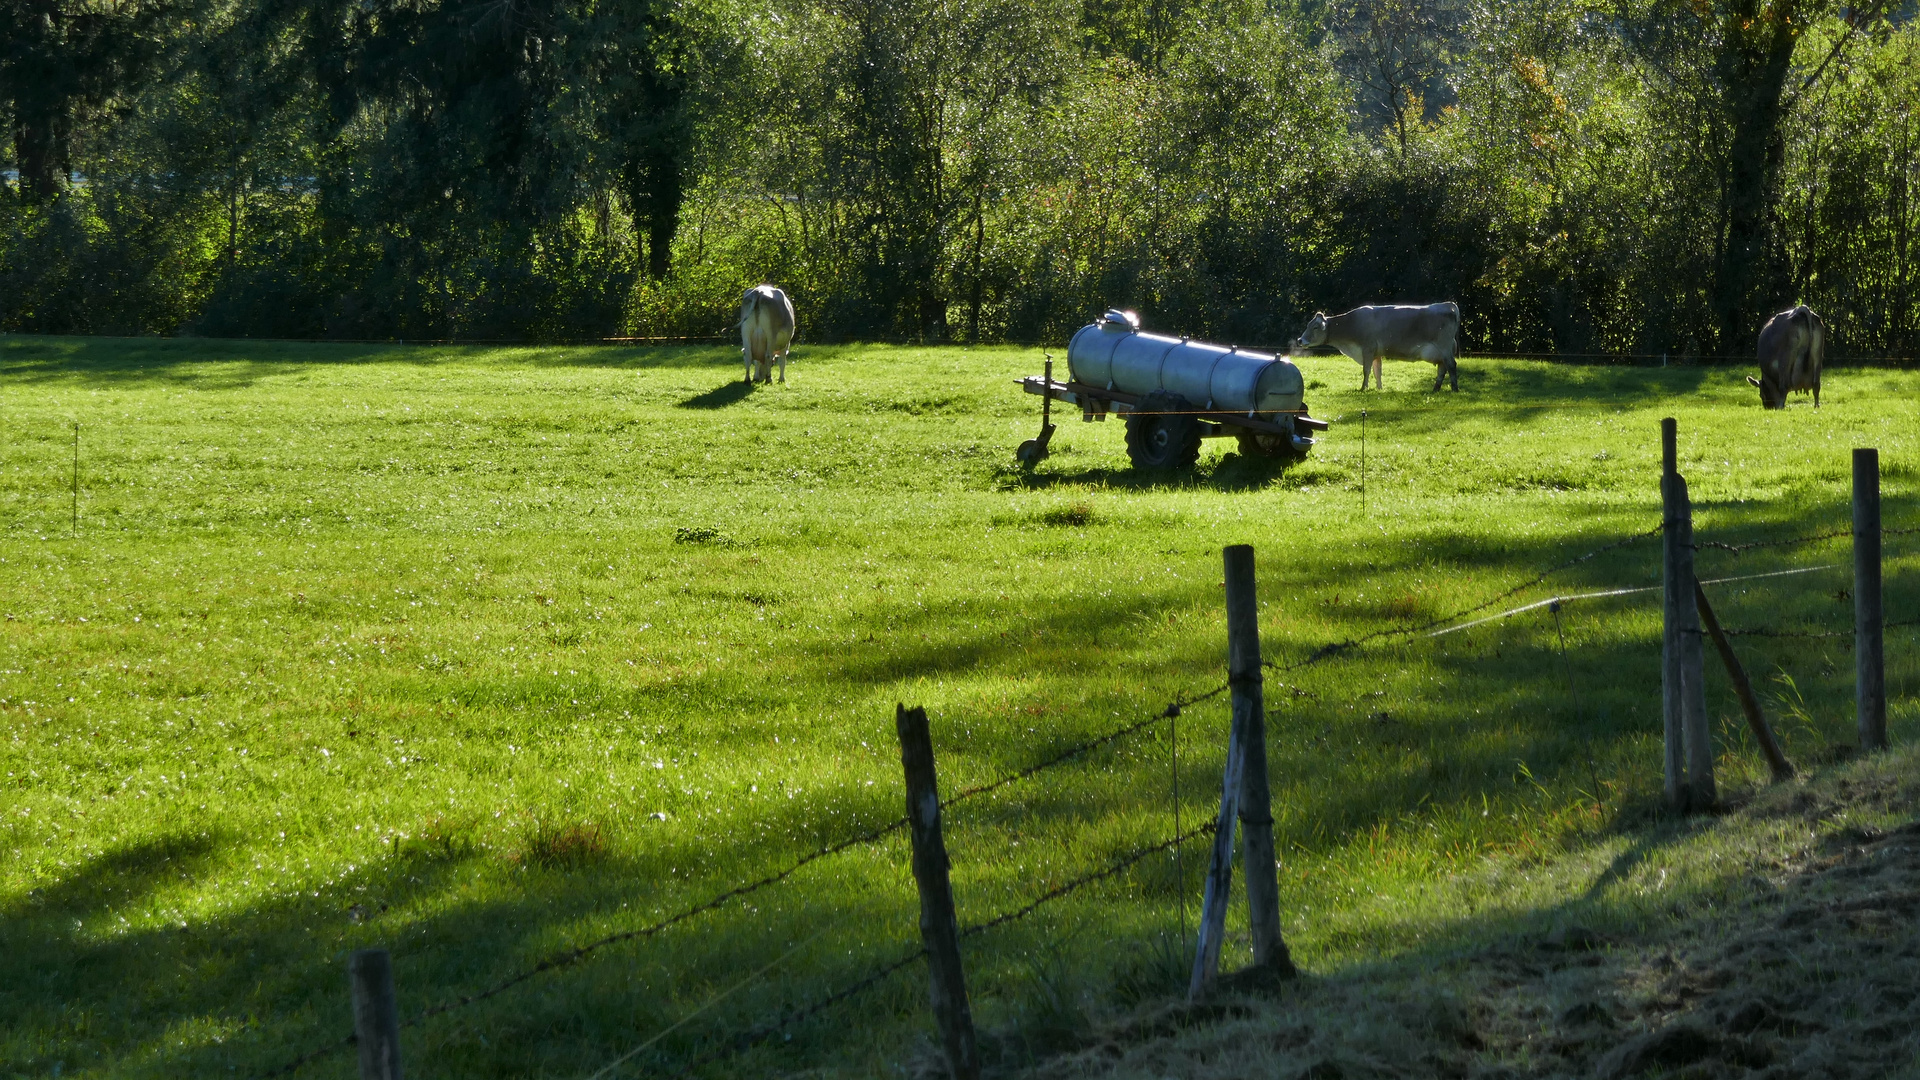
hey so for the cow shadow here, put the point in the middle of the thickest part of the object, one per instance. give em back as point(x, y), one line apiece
point(727, 393)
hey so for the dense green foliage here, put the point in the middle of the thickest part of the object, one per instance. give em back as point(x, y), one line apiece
point(480, 653)
point(1647, 176)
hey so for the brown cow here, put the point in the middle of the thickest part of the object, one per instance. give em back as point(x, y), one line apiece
point(1792, 344)
point(1429, 332)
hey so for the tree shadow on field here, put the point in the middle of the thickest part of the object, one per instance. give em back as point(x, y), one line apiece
point(237, 363)
point(727, 393)
point(267, 974)
point(120, 876)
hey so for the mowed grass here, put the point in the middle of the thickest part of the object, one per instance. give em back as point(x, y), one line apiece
point(481, 653)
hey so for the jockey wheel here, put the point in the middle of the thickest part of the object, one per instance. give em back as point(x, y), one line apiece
point(1034, 451)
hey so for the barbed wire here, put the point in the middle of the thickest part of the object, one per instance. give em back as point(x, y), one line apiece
point(1082, 882)
point(1789, 541)
point(572, 956)
point(1172, 710)
point(756, 1036)
point(1776, 633)
point(1325, 652)
point(1811, 538)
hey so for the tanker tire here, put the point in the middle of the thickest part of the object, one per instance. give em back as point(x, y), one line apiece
point(1163, 434)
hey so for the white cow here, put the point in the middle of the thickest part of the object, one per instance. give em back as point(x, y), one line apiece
point(766, 331)
point(1429, 332)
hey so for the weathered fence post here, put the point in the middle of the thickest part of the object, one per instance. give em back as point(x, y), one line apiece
point(939, 930)
point(1256, 798)
point(1869, 671)
point(1670, 694)
point(1213, 902)
point(376, 1014)
point(1689, 739)
point(1749, 701)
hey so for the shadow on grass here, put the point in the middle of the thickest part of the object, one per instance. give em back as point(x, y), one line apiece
point(268, 975)
point(727, 393)
point(1231, 472)
point(229, 363)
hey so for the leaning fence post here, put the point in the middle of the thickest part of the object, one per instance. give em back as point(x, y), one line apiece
point(939, 930)
point(1869, 671)
point(1213, 903)
point(1743, 688)
point(1693, 668)
point(1256, 797)
point(376, 1014)
point(1670, 694)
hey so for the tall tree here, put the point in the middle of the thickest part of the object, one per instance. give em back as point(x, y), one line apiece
point(60, 58)
point(1755, 51)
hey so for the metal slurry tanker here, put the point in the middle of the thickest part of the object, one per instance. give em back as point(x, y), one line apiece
point(1175, 392)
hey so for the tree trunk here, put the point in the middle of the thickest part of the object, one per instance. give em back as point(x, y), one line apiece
point(973, 301)
point(663, 213)
point(1752, 277)
point(39, 146)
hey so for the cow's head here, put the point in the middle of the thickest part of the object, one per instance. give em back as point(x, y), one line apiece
point(1315, 333)
point(1769, 397)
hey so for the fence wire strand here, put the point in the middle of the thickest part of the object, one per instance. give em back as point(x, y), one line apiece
point(756, 1036)
point(1738, 549)
point(1325, 652)
point(569, 957)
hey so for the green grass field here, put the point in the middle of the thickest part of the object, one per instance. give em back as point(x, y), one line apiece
point(479, 653)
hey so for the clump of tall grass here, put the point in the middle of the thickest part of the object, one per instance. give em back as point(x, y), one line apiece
point(557, 845)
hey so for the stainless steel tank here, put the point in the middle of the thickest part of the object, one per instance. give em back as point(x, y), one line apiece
point(1114, 354)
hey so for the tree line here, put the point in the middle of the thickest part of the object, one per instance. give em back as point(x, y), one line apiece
point(1610, 176)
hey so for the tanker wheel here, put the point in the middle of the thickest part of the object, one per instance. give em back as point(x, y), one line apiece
point(1163, 433)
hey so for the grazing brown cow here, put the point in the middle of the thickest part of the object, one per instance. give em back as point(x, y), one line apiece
point(1792, 344)
point(1428, 332)
point(766, 331)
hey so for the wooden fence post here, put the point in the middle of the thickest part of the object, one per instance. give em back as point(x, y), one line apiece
point(939, 930)
point(1670, 690)
point(1245, 676)
point(1869, 671)
point(1743, 688)
point(376, 1014)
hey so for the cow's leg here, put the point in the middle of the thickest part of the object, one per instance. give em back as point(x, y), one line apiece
point(1366, 368)
point(783, 365)
point(746, 357)
point(1379, 375)
point(1816, 393)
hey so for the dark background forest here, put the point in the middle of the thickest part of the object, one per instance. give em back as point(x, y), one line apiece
point(1607, 177)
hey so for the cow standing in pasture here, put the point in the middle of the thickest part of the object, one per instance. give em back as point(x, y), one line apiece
point(1792, 345)
point(1429, 332)
point(766, 331)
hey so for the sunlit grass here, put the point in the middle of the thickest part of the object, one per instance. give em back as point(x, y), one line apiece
point(480, 653)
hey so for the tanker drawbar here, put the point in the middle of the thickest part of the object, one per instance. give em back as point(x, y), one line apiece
point(1175, 392)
